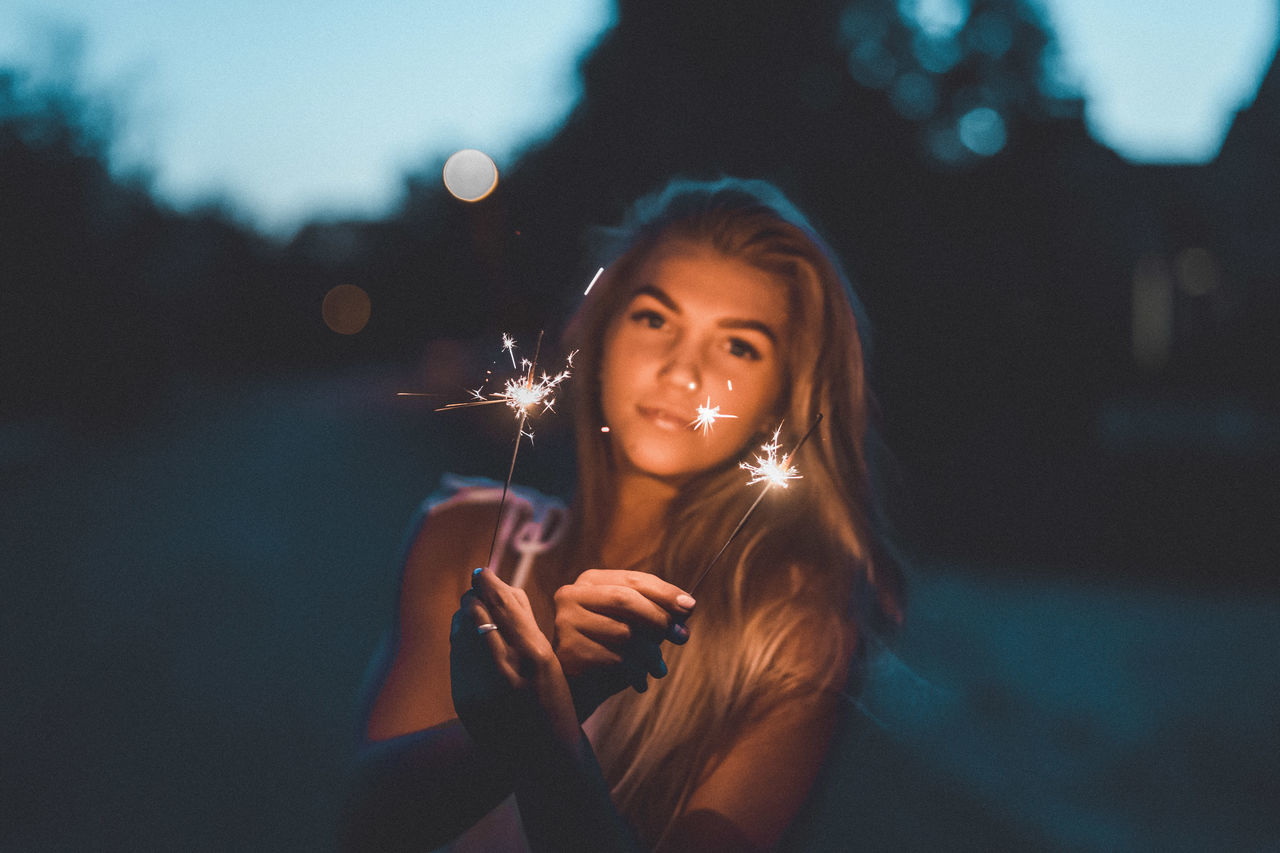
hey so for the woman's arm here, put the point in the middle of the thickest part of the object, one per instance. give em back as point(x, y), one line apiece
point(756, 790)
point(421, 790)
point(512, 695)
point(419, 780)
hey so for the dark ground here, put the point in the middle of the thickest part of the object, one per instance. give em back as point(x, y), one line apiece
point(190, 603)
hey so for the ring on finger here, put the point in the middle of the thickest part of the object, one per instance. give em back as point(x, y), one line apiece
point(486, 628)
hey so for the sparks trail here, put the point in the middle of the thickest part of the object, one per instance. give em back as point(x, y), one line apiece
point(770, 471)
point(526, 397)
point(768, 467)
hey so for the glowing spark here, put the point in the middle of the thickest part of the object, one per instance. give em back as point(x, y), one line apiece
point(768, 467)
point(593, 281)
point(526, 398)
point(522, 395)
point(706, 418)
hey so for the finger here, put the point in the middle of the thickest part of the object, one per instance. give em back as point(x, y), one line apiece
point(582, 656)
point(463, 627)
point(493, 640)
point(596, 627)
point(462, 624)
point(668, 596)
point(636, 676)
point(649, 655)
point(624, 604)
point(508, 608)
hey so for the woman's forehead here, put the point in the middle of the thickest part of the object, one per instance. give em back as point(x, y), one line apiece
point(699, 277)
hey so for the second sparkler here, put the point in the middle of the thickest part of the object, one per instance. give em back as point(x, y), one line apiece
point(772, 472)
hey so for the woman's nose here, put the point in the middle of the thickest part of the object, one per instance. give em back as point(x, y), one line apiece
point(681, 369)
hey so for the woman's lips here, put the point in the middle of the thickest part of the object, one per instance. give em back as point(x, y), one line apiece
point(663, 417)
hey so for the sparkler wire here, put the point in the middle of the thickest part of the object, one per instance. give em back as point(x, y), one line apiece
point(786, 461)
point(520, 394)
point(506, 484)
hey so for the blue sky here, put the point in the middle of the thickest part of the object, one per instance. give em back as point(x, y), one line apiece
point(294, 110)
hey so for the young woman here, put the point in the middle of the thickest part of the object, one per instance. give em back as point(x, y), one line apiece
point(537, 684)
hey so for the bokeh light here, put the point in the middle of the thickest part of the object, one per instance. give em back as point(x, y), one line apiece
point(346, 309)
point(872, 65)
point(941, 19)
point(991, 34)
point(913, 96)
point(935, 55)
point(982, 131)
point(470, 175)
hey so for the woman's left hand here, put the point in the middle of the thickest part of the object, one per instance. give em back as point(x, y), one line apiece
point(508, 687)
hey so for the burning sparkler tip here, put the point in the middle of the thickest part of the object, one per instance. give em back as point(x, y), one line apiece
point(707, 416)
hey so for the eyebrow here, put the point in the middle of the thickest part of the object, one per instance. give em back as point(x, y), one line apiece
point(728, 323)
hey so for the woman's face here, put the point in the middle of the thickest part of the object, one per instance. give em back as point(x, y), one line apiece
point(700, 326)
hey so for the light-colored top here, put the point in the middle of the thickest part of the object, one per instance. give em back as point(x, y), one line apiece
point(532, 523)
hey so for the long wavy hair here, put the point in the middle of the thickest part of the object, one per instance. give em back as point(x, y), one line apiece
point(780, 615)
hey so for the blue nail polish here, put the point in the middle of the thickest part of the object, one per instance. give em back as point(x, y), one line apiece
point(477, 571)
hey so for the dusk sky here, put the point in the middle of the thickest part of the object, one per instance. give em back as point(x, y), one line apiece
point(290, 111)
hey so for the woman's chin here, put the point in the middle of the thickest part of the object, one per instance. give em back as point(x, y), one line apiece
point(669, 466)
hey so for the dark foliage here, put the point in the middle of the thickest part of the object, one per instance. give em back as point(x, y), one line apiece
point(995, 245)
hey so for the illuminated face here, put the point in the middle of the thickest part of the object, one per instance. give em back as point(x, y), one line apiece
point(701, 325)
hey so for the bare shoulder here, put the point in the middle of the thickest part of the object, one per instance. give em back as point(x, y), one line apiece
point(413, 691)
point(452, 539)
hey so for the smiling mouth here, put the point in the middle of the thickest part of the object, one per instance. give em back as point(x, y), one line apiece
point(664, 418)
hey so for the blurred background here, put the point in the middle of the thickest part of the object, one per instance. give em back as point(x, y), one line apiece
point(225, 245)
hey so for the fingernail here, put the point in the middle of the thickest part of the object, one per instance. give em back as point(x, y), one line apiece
point(477, 571)
point(686, 601)
point(662, 669)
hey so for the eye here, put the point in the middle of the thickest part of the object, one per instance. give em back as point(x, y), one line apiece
point(649, 318)
point(738, 348)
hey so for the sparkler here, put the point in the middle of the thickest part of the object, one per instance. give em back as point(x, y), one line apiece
point(526, 398)
point(768, 467)
point(772, 472)
point(707, 416)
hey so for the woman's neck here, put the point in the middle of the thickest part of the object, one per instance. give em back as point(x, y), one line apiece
point(633, 531)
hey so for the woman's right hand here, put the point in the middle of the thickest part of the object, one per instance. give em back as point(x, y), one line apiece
point(609, 625)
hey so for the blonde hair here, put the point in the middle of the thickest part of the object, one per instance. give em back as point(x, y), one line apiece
point(804, 565)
